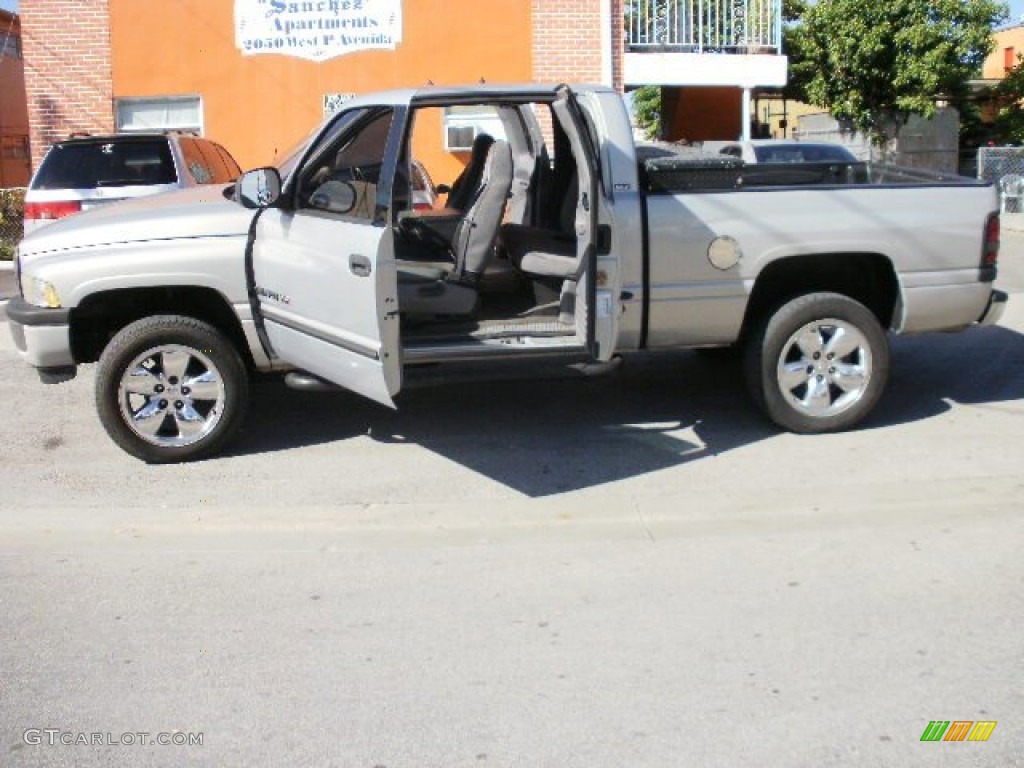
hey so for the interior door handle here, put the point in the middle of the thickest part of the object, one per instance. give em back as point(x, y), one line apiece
point(359, 265)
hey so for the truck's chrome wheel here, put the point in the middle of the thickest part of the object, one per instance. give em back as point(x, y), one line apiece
point(818, 363)
point(171, 395)
point(824, 367)
point(171, 388)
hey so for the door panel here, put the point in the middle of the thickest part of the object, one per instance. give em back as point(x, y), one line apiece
point(321, 314)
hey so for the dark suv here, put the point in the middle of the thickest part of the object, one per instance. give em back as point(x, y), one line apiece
point(85, 171)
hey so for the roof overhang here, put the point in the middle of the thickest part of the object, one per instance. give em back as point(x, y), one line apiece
point(741, 70)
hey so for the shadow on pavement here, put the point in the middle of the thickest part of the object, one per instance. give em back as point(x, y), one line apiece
point(542, 436)
point(537, 436)
point(930, 374)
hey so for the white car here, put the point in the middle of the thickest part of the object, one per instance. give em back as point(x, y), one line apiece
point(84, 172)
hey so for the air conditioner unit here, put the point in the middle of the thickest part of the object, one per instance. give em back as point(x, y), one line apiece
point(459, 138)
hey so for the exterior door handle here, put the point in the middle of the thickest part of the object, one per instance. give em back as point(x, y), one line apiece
point(359, 265)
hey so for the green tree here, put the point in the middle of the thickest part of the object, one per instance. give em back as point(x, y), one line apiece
point(800, 70)
point(875, 63)
point(647, 110)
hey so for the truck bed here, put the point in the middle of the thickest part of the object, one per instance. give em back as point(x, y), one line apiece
point(927, 225)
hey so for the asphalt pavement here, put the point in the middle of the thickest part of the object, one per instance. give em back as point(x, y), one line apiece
point(626, 571)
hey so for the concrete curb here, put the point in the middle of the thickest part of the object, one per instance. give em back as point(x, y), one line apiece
point(6, 266)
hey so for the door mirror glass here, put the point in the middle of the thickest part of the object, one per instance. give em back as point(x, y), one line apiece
point(334, 196)
point(259, 188)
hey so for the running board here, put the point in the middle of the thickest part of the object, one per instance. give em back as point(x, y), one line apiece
point(488, 350)
point(601, 368)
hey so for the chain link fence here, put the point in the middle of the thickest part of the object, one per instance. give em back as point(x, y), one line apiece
point(12, 214)
point(1004, 166)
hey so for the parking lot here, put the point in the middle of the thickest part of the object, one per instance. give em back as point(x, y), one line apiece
point(630, 570)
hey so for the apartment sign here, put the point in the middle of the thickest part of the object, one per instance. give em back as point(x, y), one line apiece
point(317, 30)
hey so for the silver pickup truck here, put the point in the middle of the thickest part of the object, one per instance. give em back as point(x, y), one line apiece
point(561, 240)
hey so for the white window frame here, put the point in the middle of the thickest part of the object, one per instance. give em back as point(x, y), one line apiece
point(197, 127)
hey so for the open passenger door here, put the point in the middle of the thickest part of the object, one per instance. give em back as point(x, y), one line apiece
point(323, 269)
point(598, 323)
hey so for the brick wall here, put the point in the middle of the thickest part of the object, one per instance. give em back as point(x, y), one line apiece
point(67, 69)
point(568, 40)
point(618, 42)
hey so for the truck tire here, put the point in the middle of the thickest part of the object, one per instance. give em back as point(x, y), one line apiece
point(819, 363)
point(171, 389)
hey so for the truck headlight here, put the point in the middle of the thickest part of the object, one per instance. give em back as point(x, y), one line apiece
point(39, 292)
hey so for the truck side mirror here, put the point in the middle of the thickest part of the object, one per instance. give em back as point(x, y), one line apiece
point(259, 188)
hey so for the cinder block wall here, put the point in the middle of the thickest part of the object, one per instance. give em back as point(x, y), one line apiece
point(68, 80)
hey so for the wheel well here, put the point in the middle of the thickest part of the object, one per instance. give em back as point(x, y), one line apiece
point(865, 277)
point(100, 316)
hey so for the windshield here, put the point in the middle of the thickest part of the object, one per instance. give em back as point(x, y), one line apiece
point(123, 162)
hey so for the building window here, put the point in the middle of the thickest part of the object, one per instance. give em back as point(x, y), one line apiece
point(463, 123)
point(172, 113)
point(10, 45)
point(1009, 57)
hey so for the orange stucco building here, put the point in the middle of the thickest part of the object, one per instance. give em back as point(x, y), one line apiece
point(258, 105)
point(1009, 44)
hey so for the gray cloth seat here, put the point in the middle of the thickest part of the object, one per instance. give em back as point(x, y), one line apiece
point(451, 289)
point(546, 252)
point(538, 251)
point(464, 187)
